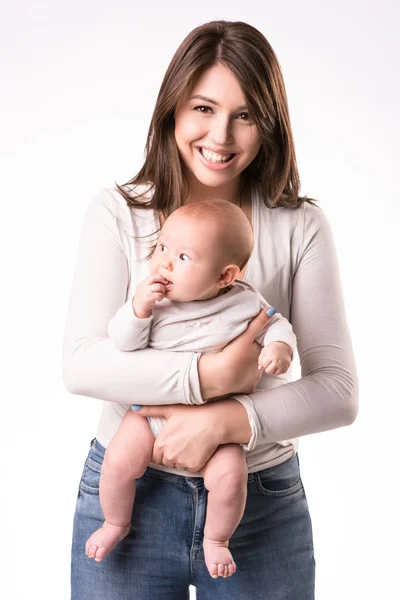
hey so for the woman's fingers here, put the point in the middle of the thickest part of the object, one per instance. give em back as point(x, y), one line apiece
point(153, 411)
point(259, 322)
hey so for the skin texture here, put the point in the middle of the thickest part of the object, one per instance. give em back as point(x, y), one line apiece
point(227, 127)
point(185, 257)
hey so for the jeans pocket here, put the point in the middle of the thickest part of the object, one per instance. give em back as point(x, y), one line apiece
point(90, 478)
point(280, 481)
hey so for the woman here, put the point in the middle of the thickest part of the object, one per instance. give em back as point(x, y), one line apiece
point(220, 128)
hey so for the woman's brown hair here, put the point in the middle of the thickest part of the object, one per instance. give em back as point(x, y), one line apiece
point(247, 53)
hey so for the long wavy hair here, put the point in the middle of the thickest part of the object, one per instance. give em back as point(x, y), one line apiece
point(247, 53)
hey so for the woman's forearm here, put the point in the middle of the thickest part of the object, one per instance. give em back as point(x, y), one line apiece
point(231, 422)
point(211, 376)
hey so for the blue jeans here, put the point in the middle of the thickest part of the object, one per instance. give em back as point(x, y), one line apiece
point(162, 555)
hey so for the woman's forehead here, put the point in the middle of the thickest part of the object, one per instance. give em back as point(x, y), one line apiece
point(218, 84)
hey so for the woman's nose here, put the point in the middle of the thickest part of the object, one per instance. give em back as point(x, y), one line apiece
point(220, 132)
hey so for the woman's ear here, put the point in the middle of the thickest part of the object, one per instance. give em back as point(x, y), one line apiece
point(228, 275)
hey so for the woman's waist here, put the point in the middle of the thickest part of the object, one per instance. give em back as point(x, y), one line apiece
point(264, 456)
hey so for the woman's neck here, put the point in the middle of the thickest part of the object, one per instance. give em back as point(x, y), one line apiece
point(230, 192)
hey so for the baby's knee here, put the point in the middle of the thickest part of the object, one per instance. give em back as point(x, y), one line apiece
point(120, 466)
point(232, 480)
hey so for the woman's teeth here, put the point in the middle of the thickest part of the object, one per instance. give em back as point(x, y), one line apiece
point(215, 158)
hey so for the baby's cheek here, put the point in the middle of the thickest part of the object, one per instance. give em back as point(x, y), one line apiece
point(153, 266)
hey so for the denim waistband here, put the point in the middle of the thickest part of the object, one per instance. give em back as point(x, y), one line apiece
point(172, 477)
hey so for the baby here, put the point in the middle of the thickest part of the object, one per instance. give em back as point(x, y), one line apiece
point(191, 301)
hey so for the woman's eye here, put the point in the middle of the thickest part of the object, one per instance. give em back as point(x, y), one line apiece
point(200, 108)
point(180, 256)
point(246, 116)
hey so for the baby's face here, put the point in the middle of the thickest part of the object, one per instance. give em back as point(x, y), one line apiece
point(188, 255)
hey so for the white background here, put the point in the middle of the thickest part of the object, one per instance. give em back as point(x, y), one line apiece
point(79, 83)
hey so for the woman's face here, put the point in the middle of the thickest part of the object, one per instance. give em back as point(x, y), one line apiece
point(214, 132)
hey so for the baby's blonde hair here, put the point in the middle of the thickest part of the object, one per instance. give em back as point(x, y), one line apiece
point(235, 230)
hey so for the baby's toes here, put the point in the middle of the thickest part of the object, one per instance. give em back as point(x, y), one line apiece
point(100, 554)
point(221, 569)
point(214, 571)
point(92, 551)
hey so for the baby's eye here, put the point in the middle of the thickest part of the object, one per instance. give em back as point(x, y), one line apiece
point(162, 247)
point(185, 256)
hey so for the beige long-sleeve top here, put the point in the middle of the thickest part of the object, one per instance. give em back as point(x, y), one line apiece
point(293, 264)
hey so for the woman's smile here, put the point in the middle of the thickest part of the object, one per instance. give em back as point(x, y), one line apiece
point(216, 162)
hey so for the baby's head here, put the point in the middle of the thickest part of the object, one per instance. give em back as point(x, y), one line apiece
point(202, 248)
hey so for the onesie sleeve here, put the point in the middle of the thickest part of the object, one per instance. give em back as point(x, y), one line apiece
point(91, 364)
point(326, 395)
point(127, 331)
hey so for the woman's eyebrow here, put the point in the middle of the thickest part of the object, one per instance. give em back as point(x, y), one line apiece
point(200, 97)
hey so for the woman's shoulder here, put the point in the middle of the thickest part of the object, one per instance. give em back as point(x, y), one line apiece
point(307, 217)
point(110, 203)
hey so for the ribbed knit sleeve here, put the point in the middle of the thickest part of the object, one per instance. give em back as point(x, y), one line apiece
point(91, 363)
point(326, 396)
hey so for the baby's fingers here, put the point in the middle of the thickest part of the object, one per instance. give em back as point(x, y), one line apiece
point(263, 362)
point(270, 367)
point(277, 368)
point(157, 278)
point(156, 287)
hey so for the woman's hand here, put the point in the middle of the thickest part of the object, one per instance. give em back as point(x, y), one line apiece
point(192, 433)
point(235, 368)
point(189, 437)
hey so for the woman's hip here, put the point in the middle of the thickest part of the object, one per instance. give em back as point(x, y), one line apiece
point(164, 547)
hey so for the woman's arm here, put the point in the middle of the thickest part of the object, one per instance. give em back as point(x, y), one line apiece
point(127, 332)
point(326, 396)
point(92, 365)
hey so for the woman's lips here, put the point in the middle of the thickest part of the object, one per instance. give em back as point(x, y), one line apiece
point(215, 166)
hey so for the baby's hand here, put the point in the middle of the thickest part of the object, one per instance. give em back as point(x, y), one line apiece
point(148, 292)
point(275, 358)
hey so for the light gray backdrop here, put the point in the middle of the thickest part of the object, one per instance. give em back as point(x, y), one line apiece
point(79, 83)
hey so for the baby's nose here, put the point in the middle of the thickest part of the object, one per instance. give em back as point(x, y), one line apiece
point(167, 264)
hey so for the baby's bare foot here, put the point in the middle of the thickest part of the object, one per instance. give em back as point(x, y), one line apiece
point(102, 541)
point(218, 558)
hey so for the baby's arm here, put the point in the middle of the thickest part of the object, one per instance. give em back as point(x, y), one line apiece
point(279, 343)
point(129, 328)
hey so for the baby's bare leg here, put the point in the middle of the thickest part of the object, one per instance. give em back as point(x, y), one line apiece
point(125, 460)
point(225, 478)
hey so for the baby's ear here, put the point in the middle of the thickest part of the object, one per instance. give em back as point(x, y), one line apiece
point(228, 275)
